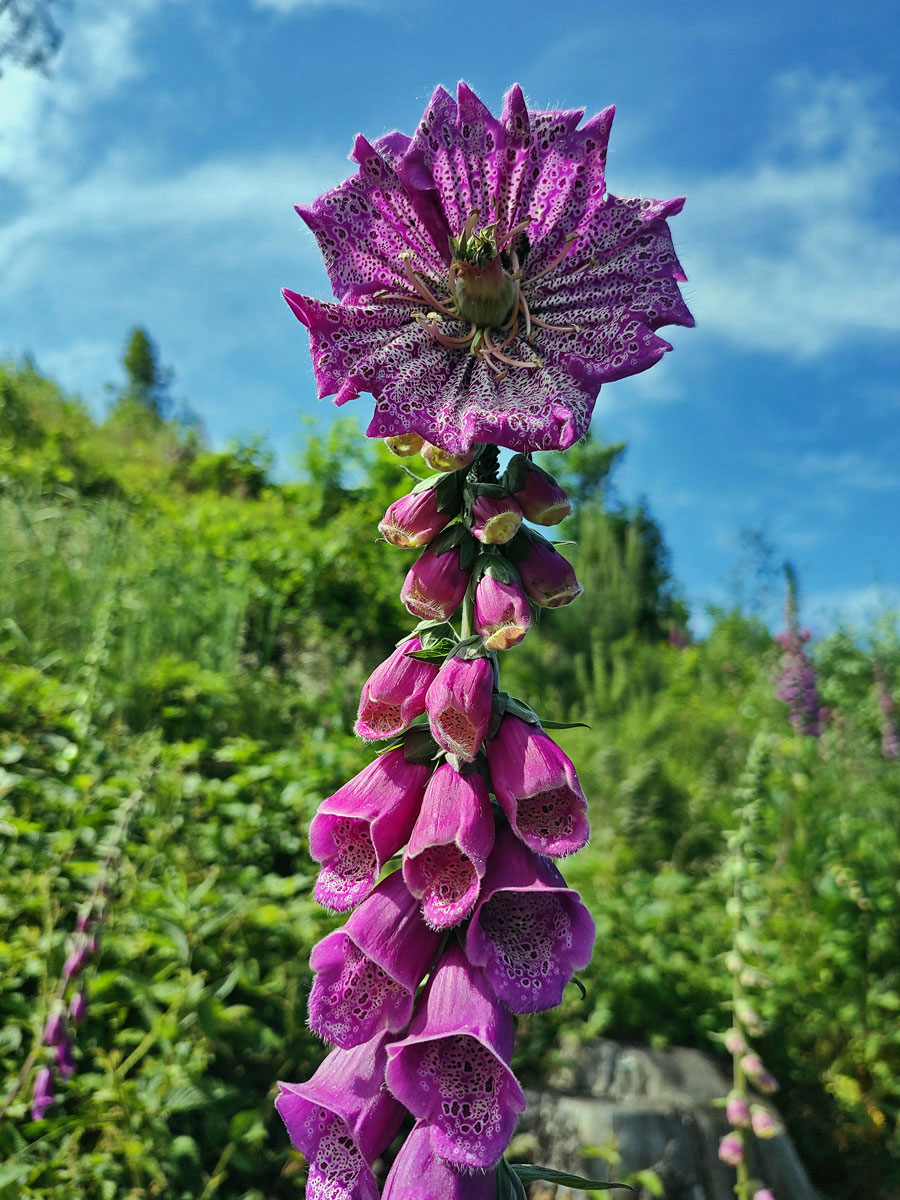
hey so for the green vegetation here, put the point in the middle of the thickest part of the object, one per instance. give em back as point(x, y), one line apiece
point(185, 637)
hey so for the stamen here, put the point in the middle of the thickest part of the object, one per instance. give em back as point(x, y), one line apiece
point(513, 362)
point(423, 290)
point(554, 328)
point(452, 343)
point(570, 238)
point(527, 311)
point(514, 233)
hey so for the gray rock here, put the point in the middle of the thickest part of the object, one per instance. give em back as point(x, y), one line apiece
point(655, 1108)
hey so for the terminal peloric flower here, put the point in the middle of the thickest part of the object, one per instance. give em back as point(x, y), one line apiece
point(487, 283)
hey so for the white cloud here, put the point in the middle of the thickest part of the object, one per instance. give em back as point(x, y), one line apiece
point(839, 469)
point(855, 607)
point(794, 253)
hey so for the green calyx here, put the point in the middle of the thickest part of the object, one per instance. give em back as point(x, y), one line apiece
point(483, 291)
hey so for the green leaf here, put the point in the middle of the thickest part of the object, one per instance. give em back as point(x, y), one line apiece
point(529, 1174)
point(183, 1098)
point(563, 724)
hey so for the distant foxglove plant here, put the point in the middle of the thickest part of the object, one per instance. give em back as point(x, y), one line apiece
point(797, 684)
point(890, 735)
point(487, 285)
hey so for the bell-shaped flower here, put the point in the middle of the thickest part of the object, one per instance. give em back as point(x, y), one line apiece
point(502, 612)
point(43, 1095)
point(420, 1174)
point(394, 694)
point(55, 1028)
point(435, 585)
point(459, 704)
point(365, 823)
point(537, 788)
point(65, 1060)
point(547, 577)
point(447, 853)
point(539, 496)
point(495, 517)
point(78, 1006)
point(341, 1120)
point(452, 1069)
point(367, 973)
point(414, 520)
point(529, 931)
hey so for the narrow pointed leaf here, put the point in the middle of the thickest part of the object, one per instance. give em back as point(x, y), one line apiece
point(529, 1174)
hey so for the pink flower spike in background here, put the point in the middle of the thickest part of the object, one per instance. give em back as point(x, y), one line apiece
point(487, 283)
point(447, 853)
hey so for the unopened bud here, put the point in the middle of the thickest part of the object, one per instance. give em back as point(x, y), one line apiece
point(64, 1059)
point(55, 1029)
point(763, 1122)
point(737, 1111)
point(404, 445)
point(502, 613)
point(435, 585)
point(731, 1149)
point(539, 496)
point(749, 1018)
point(78, 1007)
point(757, 1073)
point(735, 1043)
point(413, 520)
point(763, 1194)
point(495, 518)
point(442, 460)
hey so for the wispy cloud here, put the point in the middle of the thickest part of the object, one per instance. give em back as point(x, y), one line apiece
point(794, 252)
point(286, 7)
point(840, 469)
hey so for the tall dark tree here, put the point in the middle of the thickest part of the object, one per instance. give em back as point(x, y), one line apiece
point(148, 381)
point(29, 32)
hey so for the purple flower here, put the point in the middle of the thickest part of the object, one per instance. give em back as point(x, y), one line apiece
point(367, 973)
point(487, 282)
point(539, 496)
point(413, 520)
point(55, 1029)
point(763, 1122)
point(459, 705)
point(737, 1111)
point(529, 931)
point(78, 1007)
point(394, 694)
point(341, 1120)
point(419, 1174)
point(435, 585)
point(78, 959)
point(763, 1194)
point(731, 1149)
point(502, 613)
point(452, 1069)
point(495, 518)
point(43, 1095)
point(447, 853)
point(64, 1059)
point(547, 577)
point(753, 1068)
point(356, 831)
point(537, 788)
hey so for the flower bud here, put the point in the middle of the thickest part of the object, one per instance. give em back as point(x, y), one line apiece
point(404, 445)
point(435, 585)
point(731, 1149)
point(763, 1122)
point(735, 1043)
point(749, 1018)
point(763, 1194)
point(394, 694)
point(495, 519)
point(55, 1029)
point(83, 923)
point(76, 961)
point(64, 1060)
point(539, 496)
point(459, 705)
point(737, 1111)
point(757, 1073)
point(78, 1007)
point(442, 460)
point(547, 577)
point(43, 1095)
point(502, 614)
point(413, 520)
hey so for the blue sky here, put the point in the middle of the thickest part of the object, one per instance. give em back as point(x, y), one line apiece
point(152, 179)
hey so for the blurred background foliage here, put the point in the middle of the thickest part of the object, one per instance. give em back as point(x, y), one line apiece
point(181, 633)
